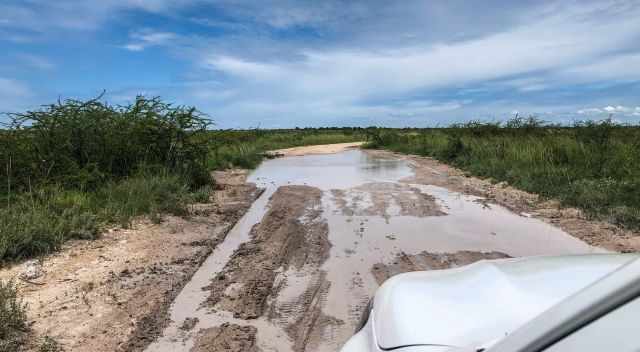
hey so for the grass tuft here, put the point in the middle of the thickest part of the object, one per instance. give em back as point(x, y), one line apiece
point(13, 318)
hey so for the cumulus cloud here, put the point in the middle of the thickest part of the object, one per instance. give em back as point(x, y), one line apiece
point(143, 39)
point(346, 79)
point(369, 60)
point(611, 109)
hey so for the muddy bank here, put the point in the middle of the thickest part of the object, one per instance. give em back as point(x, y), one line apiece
point(112, 294)
point(404, 263)
point(429, 171)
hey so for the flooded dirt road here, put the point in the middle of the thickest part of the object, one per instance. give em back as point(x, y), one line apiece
point(296, 271)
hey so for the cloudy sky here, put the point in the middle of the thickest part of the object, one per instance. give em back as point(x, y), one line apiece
point(285, 63)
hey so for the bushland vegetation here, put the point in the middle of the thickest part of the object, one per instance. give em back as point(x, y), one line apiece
point(592, 165)
point(73, 167)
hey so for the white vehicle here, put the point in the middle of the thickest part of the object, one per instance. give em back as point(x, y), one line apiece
point(570, 303)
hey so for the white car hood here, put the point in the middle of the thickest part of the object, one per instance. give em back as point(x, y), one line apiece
point(477, 305)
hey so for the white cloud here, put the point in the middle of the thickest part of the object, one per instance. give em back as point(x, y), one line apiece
point(44, 15)
point(611, 109)
point(343, 79)
point(147, 38)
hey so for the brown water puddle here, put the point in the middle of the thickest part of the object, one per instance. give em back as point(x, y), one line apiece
point(372, 219)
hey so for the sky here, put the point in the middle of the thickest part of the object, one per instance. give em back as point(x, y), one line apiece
point(283, 63)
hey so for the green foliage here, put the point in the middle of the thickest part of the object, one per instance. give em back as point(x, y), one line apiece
point(50, 345)
point(13, 318)
point(591, 165)
point(83, 145)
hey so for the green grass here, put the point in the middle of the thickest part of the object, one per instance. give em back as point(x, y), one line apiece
point(592, 166)
point(13, 318)
point(40, 221)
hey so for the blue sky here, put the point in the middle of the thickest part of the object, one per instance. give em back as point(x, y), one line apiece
point(280, 63)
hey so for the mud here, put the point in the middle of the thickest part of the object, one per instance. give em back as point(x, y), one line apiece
point(112, 294)
point(380, 199)
point(227, 337)
point(291, 233)
point(602, 234)
point(429, 261)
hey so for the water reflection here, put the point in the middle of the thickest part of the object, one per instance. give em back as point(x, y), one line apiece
point(343, 170)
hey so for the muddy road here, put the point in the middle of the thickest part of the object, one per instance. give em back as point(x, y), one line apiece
point(296, 271)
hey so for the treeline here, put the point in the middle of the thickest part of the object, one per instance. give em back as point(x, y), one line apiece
point(592, 165)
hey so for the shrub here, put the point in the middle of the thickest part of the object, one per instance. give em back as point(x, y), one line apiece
point(13, 318)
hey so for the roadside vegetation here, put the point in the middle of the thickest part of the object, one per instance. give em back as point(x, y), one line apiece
point(71, 168)
point(594, 166)
point(13, 318)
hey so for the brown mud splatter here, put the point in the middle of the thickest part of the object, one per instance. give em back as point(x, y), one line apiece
point(429, 261)
point(226, 337)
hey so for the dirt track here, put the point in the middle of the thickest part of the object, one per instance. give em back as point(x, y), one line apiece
point(296, 271)
point(330, 230)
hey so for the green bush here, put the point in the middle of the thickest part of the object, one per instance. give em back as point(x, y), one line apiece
point(83, 145)
point(13, 318)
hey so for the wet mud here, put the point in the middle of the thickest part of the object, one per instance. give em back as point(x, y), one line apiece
point(291, 234)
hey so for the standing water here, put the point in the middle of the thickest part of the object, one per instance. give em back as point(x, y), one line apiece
point(373, 217)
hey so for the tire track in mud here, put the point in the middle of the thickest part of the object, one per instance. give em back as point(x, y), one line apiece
point(284, 254)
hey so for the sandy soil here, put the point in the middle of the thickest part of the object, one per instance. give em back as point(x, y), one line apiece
point(112, 294)
point(602, 234)
point(315, 149)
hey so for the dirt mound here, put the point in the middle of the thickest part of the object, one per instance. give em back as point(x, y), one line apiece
point(429, 261)
point(228, 338)
point(292, 233)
